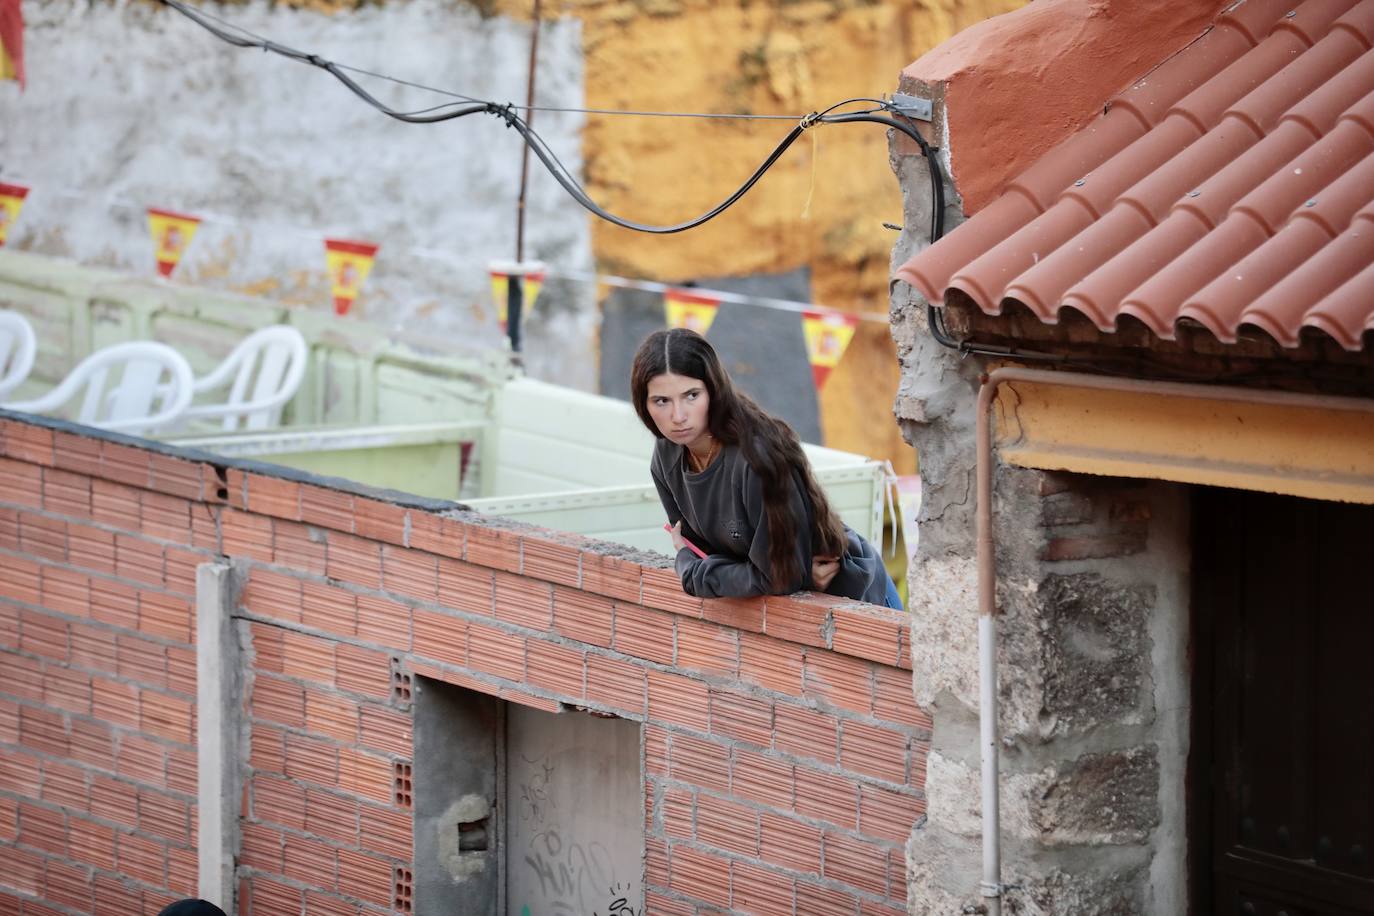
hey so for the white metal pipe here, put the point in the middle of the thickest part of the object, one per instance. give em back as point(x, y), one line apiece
point(991, 885)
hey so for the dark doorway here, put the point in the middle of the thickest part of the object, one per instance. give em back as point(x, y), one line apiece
point(1281, 791)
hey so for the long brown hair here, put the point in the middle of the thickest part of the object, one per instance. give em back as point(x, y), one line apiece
point(767, 443)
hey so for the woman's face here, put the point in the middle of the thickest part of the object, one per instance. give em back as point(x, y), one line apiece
point(679, 406)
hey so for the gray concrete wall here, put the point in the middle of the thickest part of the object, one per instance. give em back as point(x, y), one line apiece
point(132, 105)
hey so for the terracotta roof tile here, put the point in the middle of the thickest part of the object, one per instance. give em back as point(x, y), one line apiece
point(1231, 186)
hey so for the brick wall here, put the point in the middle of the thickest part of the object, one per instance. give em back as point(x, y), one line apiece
point(783, 756)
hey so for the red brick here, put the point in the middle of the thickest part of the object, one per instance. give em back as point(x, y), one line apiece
point(761, 778)
point(384, 622)
point(543, 704)
point(20, 582)
point(268, 646)
point(799, 620)
point(261, 847)
point(727, 825)
point(888, 815)
point(366, 877)
point(181, 670)
point(555, 668)
point(741, 717)
point(662, 589)
point(331, 509)
point(815, 900)
point(139, 560)
point(91, 743)
point(308, 861)
point(868, 633)
point(65, 591)
point(164, 817)
point(179, 570)
point(524, 602)
point(65, 785)
point(113, 800)
point(318, 904)
point(1095, 547)
point(277, 700)
point(9, 529)
point(493, 548)
point(21, 482)
point(67, 689)
point(757, 890)
point(167, 717)
point(332, 816)
point(411, 573)
point(181, 771)
point(655, 750)
point(464, 587)
point(268, 897)
point(90, 843)
point(29, 443)
point(124, 463)
point(873, 751)
point(790, 843)
point(827, 797)
point(680, 701)
point(707, 647)
point(205, 529)
point(583, 617)
point(90, 548)
point(611, 577)
point(366, 775)
point(332, 610)
point(43, 828)
point(183, 871)
point(41, 634)
point(386, 730)
point(141, 660)
point(68, 886)
point(298, 546)
point(354, 560)
point(115, 505)
point(644, 633)
point(388, 831)
point(436, 534)
point(274, 496)
point(115, 896)
point(141, 859)
point(362, 671)
point(838, 679)
point(551, 562)
point(311, 760)
point(64, 493)
point(699, 763)
point(45, 538)
point(616, 684)
point(894, 701)
point(496, 651)
point(142, 760)
point(246, 535)
point(278, 801)
point(23, 676)
point(266, 748)
point(92, 648)
point(166, 518)
point(659, 905)
point(441, 637)
point(175, 476)
point(166, 616)
point(771, 663)
point(379, 521)
point(9, 627)
point(273, 594)
point(42, 730)
point(856, 863)
point(700, 875)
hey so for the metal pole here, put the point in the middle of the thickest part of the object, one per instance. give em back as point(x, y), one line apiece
point(515, 300)
point(525, 157)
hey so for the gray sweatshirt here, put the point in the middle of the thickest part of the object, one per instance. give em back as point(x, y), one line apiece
point(721, 510)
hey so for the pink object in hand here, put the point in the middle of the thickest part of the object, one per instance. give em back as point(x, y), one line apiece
point(695, 549)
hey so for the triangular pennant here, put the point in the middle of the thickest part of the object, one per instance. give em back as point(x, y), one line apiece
point(11, 202)
point(827, 336)
point(692, 310)
point(500, 294)
point(534, 282)
point(348, 263)
point(172, 234)
point(500, 288)
point(11, 42)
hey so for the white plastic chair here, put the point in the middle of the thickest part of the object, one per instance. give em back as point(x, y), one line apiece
point(267, 368)
point(132, 387)
point(18, 346)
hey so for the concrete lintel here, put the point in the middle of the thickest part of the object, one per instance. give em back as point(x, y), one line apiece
point(217, 714)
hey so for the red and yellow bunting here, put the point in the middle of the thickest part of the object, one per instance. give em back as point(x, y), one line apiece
point(172, 234)
point(500, 291)
point(11, 42)
point(827, 336)
point(348, 263)
point(691, 310)
point(11, 202)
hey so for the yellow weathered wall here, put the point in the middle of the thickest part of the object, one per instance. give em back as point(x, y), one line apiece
point(766, 58)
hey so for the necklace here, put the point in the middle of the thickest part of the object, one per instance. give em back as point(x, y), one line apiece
point(710, 456)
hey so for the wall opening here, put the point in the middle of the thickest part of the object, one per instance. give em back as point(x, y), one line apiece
point(520, 812)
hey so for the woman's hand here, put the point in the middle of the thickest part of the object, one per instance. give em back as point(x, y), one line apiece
point(679, 541)
point(823, 570)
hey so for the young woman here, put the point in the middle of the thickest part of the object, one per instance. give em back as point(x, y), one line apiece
point(737, 487)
